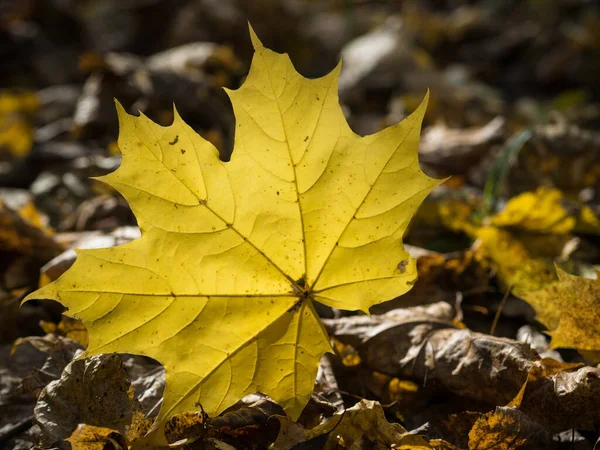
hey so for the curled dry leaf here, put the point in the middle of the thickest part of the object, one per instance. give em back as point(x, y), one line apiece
point(561, 400)
point(363, 424)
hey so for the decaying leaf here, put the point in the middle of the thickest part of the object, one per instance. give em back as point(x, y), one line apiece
point(94, 391)
point(570, 309)
point(220, 287)
point(58, 352)
point(506, 429)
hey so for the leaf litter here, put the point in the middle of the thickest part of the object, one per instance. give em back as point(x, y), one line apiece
point(494, 346)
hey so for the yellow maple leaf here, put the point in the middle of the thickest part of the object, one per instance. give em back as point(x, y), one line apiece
point(220, 287)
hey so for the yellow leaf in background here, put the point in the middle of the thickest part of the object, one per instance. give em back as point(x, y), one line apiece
point(546, 211)
point(532, 232)
point(587, 221)
point(16, 129)
point(539, 211)
point(570, 309)
point(220, 287)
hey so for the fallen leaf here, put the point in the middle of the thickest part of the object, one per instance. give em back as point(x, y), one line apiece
point(570, 309)
point(220, 287)
point(507, 429)
point(561, 400)
point(440, 444)
point(59, 354)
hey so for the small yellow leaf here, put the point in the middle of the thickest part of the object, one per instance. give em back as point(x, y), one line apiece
point(220, 287)
point(16, 130)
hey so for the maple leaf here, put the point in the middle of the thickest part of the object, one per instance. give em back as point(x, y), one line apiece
point(570, 309)
point(220, 287)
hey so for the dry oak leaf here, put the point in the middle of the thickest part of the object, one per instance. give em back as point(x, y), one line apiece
point(220, 287)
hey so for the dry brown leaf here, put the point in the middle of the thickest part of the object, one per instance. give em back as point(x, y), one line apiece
point(561, 400)
point(420, 343)
point(94, 391)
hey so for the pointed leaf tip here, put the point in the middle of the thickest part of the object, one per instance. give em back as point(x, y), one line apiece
point(121, 113)
point(424, 102)
point(256, 43)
